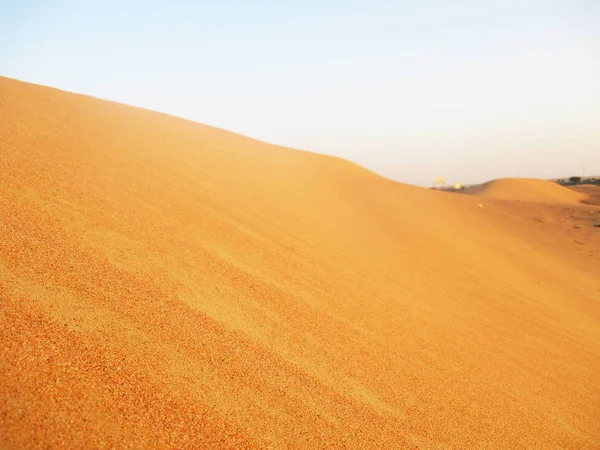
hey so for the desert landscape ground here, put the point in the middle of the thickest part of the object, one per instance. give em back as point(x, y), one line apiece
point(165, 284)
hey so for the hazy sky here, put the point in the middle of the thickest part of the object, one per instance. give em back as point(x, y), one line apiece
point(469, 90)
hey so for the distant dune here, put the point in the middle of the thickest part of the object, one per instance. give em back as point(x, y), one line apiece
point(527, 190)
point(166, 284)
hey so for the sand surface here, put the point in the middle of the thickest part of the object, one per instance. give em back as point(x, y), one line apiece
point(165, 284)
point(591, 193)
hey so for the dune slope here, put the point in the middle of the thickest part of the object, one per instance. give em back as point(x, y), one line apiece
point(527, 190)
point(165, 284)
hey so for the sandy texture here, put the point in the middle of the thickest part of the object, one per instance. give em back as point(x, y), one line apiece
point(165, 284)
point(526, 190)
point(591, 193)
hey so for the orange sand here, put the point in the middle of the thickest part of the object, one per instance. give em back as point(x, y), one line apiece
point(165, 284)
point(526, 190)
point(591, 193)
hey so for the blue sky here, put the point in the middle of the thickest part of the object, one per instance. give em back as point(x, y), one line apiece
point(469, 90)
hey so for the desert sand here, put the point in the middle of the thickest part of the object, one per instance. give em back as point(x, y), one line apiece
point(165, 284)
point(527, 190)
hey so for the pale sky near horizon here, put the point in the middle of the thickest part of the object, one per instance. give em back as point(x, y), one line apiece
point(468, 90)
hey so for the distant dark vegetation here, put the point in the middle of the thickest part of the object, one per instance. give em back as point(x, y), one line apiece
point(574, 181)
point(450, 188)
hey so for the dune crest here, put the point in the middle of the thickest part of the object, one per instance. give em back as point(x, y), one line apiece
point(166, 284)
point(526, 190)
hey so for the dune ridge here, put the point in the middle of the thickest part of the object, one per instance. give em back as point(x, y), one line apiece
point(527, 190)
point(166, 284)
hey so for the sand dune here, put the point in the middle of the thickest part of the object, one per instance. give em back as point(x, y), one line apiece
point(165, 284)
point(527, 190)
